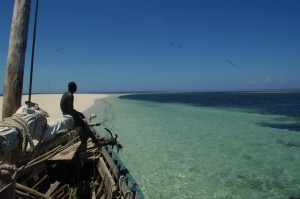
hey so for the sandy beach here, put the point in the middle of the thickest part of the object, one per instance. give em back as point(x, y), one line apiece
point(50, 102)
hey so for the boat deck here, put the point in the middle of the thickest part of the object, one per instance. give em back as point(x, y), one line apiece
point(78, 152)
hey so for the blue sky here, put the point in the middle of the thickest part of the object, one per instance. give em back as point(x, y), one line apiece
point(160, 45)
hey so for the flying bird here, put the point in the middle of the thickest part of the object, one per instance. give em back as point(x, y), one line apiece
point(60, 49)
point(230, 62)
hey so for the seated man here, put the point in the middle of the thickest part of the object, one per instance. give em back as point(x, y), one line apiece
point(67, 108)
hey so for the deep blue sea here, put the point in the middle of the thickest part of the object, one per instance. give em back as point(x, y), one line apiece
point(208, 144)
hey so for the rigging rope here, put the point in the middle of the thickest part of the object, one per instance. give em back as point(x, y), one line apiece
point(33, 46)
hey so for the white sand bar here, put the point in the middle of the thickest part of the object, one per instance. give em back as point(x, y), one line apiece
point(51, 102)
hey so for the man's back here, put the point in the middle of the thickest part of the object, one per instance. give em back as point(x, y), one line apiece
point(66, 103)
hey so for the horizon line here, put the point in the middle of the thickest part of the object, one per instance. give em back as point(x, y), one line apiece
point(167, 91)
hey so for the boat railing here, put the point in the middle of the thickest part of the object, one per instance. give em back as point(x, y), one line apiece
point(118, 178)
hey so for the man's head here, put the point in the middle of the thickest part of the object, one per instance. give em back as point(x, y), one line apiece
point(72, 87)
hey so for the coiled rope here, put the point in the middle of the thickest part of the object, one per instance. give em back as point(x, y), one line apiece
point(22, 127)
point(7, 169)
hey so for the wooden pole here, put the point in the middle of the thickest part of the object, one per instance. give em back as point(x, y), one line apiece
point(13, 84)
point(31, 191)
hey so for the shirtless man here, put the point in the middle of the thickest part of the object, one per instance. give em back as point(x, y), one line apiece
point(67, 107)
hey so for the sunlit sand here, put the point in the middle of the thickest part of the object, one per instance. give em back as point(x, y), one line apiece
point(50, 102)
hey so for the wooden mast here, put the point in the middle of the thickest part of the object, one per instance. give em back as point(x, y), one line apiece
point(13, 84)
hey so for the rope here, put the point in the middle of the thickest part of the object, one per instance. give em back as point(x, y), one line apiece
point(33, 47)
point(6, 169)
point(120, 180)
point(127, 194)
point(7, 173)
point(22, 127)
point(48, 155)
point(44, 157)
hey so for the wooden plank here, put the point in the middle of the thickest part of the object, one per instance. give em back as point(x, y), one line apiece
point(66, 154)
point(8, 191)
point(28, 172)
point(118, 169)
point(110, 185)
point(104, 196)
point(65, 196)
point(58, 140)
point(40, 181)
point(31, 191)
point(59, 190)
point(100, 191)
point(24, 195)
point(52, 188)
point(69, 153)
point(123, 186)
point(112, 166)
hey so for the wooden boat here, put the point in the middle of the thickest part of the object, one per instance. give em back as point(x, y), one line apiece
point(59, 167)
point(60, 170)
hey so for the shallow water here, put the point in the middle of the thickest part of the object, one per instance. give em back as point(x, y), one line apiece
point(176, 150)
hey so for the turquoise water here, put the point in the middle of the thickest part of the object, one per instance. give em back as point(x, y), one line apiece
point(181, 151)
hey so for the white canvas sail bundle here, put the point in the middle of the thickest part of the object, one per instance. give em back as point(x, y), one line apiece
point(30, 123)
